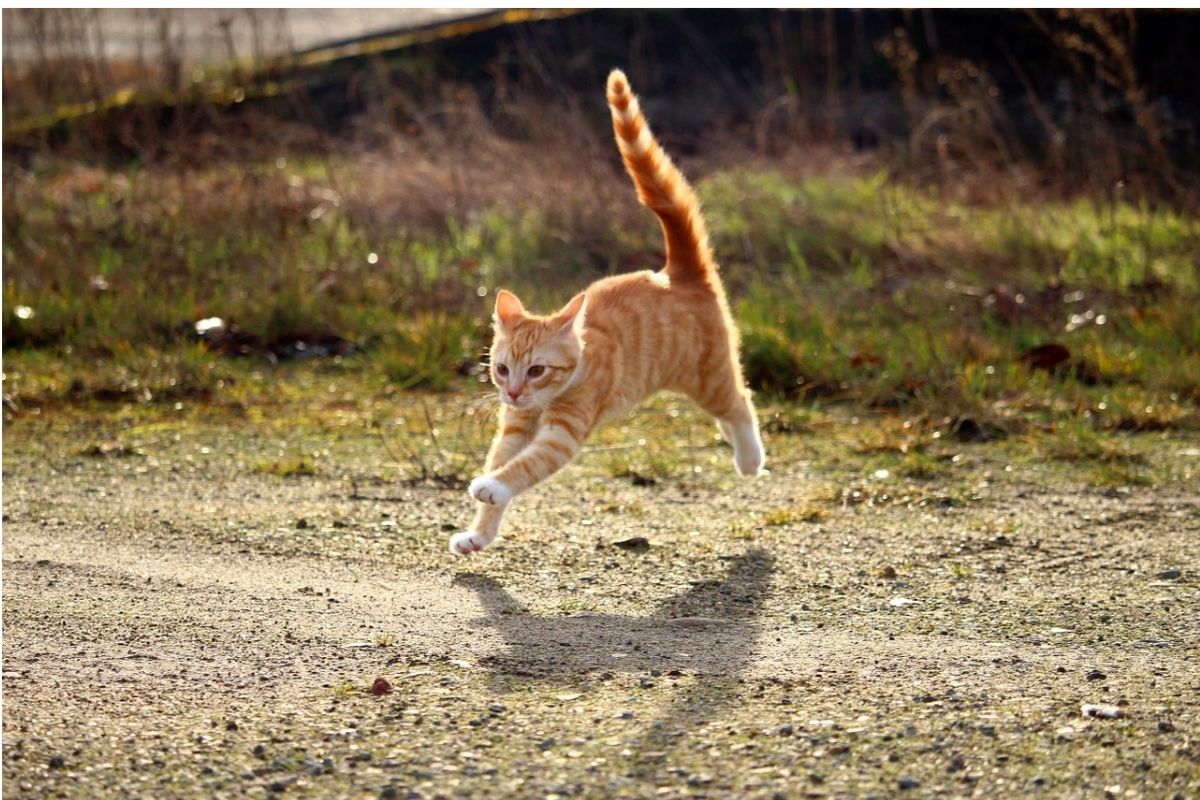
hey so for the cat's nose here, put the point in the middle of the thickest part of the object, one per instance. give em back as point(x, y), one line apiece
point(514, 394)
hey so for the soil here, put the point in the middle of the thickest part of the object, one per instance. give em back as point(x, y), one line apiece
point(178, 624)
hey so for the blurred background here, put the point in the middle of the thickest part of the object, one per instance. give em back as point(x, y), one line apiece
point(988, 218)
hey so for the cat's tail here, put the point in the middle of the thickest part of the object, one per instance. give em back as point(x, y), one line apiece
point(660, 185)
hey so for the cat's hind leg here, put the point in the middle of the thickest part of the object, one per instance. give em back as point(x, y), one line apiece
point(730, 403)
point(739, 426)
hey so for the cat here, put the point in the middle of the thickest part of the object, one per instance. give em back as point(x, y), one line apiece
point(614, 344)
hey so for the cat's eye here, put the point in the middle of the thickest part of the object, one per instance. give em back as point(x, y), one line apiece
point(502, 370)
point(536, 371)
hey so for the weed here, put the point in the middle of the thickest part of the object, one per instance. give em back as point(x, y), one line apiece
point(345, 690)
point(297, 466)
point(793, 514)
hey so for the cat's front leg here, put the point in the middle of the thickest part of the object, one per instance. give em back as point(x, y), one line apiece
point(559, 438)
point(516, 430)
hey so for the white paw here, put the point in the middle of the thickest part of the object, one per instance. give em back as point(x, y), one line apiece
point(487, 489)
point(468, 542)
point(749, 459)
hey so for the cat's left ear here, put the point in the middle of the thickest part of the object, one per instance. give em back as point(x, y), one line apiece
point(574, 315)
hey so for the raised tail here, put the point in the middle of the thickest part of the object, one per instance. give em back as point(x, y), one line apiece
point(660, 185)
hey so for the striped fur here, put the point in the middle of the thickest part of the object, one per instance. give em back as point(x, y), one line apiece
point(624, 338)
point(660, 185)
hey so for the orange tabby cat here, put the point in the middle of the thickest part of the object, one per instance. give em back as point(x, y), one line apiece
point(614, 344)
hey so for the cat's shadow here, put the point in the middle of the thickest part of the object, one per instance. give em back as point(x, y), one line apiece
point(706, 630)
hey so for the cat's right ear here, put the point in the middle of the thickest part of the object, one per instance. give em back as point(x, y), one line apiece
point(509, 310)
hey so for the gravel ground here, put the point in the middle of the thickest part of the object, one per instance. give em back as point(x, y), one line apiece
point(178, 624)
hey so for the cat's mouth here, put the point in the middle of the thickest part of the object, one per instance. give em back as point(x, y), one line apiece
point(524, 401)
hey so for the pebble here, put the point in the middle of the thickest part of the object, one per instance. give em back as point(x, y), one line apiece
point(1096, 675)
point(1170, 574)
point(1101, 711)
point(908, 783)
point(57, 762)
point(1166, 726)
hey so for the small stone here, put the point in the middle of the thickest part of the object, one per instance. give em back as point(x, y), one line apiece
point(57, 762)
point(230, 725)
point(1101, 711)
point(786, 730)
point(908, 783)
point(301, 524)
point(888, 573)
point(546, 744)
point(1170, 574)
point(636, 544)
point(497, 708)
point(1096, 675)
point(1166, 726)
point(957, 763)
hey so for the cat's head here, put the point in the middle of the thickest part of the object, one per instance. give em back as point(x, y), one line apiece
point(534, 358)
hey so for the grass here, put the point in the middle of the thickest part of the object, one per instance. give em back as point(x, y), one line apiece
point(849, 288)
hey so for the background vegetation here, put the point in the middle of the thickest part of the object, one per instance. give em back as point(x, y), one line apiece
point(986, 221)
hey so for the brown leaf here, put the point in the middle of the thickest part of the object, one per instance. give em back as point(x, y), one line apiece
point(380, 687)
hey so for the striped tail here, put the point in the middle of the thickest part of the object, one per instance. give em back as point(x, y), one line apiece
point(660, 185)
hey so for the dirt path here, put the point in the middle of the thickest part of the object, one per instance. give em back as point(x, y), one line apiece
point(170, 631)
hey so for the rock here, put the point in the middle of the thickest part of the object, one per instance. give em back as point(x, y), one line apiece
point(57, 762)
point(1101, 711)
point(908, 783)
point(901, 602)
point(887, 573)
point(1096, 675)
point(1166, 726)
point(636, 544)
point(1169, 574)
point(301, 523)
point(786, 730)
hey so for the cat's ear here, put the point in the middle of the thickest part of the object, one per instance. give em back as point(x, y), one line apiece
point(573, 315)
point(509, 310)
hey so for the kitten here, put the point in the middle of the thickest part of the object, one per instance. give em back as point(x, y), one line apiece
point(619, 341)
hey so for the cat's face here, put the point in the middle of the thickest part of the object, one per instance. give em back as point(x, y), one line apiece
point(534, 358)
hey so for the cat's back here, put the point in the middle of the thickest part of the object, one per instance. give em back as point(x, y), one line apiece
point(654, 330)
